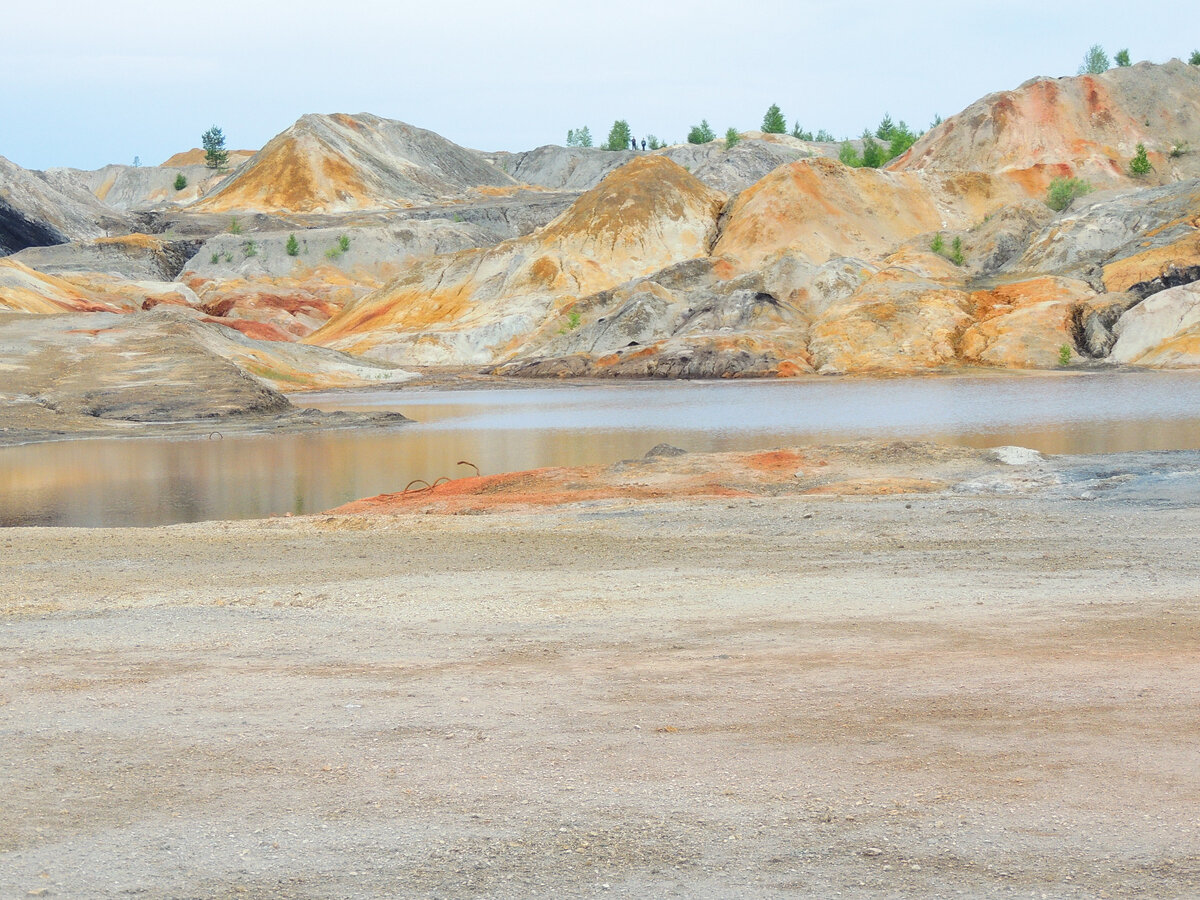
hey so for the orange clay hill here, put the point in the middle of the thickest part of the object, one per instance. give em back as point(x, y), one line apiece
point(479, 306)
point(1087, 126)
point(341, 163)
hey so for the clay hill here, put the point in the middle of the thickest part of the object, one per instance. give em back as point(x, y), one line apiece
point(340, 163)
point(1088, 126)
point(374, 244)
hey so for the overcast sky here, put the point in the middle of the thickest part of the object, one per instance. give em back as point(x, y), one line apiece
point(86, 83)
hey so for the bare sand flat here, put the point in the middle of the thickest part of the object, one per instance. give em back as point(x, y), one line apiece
point(988, 693)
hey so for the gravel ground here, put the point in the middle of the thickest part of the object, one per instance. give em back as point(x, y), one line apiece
point(898, 696)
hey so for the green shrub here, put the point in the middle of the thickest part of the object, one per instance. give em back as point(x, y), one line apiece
point(180, 181)
point(902, 138)
point(1140, 164)
point(849, 156)
point(344, 242)
point(731, 138)
point(333, 252)
point(619, 136)
point(216, 258)
point(701, 134)
point(956, 252)
point(653, 142)
point(937, 120)
point(1065, 191)
point(249, 249)
point(1095, 61)
point(937, 245)
point(1178, 149)
point(773, 121)
point(1064, 355)
point(800, 134)
point(235, 227)
point(824, 137)
point(292, 248)
point(1122, 59)
point(1194, 59)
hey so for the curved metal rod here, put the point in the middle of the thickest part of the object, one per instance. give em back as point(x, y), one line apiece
point(463, 462)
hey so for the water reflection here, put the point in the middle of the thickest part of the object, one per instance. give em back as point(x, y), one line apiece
point(147, 482)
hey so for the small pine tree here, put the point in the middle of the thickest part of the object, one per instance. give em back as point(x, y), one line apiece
point(1122, 59)
point(1095, 61)
point(731, 138)
point(619, 136)
point(773, 121)
point(653, 142)
point(824, 137)
point(213, 142)
point(701, 134)
point(1140, 164)
point(292, 247)
point(956, 252)
point(180, 181)
point(344, 243)
point(937, 120)
point(885, 128)
point(937, 245)
point(1194, 59)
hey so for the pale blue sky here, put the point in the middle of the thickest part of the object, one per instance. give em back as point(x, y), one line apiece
point(88, 83)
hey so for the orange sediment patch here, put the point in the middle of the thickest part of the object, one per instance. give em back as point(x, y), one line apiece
point(1150, 264)
point(710, 475)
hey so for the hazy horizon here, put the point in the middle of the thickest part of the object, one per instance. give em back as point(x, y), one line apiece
point(99, 84)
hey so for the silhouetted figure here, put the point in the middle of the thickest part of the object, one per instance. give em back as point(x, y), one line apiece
point(633, 144)
point(643, 144)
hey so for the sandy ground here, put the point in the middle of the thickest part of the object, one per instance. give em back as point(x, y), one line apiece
point(984, 694)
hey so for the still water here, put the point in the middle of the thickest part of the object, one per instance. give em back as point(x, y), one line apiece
point(152, 482)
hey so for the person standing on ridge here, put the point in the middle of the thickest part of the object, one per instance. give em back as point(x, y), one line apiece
point(633, 144)
point(643, 145)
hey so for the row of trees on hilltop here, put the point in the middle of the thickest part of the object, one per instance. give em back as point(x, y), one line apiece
point(620, 135)
point(1096, 60)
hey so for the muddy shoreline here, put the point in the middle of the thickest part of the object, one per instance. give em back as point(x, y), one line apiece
point(906, 695)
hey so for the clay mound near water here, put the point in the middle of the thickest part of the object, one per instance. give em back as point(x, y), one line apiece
point(36, 211)
point(1088, 125)
point(477, 306)
point(341, 163)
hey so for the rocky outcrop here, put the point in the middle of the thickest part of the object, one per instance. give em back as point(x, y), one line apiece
point(1025, 325)
point(1162, 331)
point(1088, 126)
point(478, 306)
point(138, 257)
point(1117, 241)
point(36, 212)
point(906, 317)
point(342, 163)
